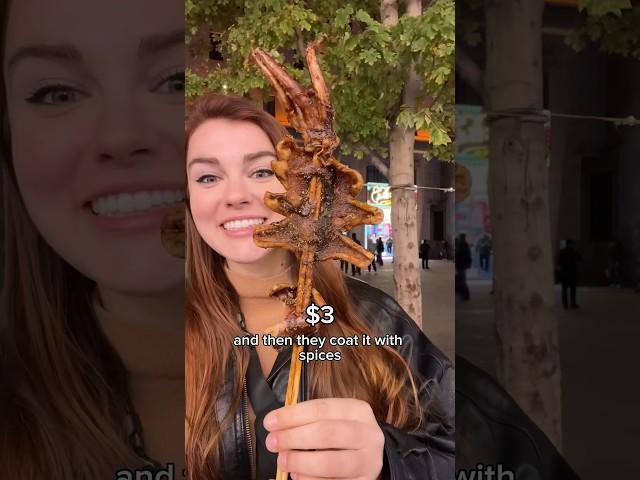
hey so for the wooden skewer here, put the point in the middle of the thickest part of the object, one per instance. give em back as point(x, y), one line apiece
point(293, 388)
point(305, 289)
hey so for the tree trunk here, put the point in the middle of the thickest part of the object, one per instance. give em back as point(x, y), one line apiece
point(406, 275)
point(524, 293)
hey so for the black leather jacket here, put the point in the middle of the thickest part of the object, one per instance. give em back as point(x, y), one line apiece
point(426, 455)
point(494, 431)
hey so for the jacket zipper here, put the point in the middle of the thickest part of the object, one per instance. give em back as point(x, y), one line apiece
point(247, 430)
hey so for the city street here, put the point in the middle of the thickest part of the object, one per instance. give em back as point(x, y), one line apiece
point(598, 354)
point(437, 299)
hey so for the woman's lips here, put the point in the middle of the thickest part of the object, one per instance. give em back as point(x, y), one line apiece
point(242, 227)
point(142, 221)
point(127, 203)
point(134, 211)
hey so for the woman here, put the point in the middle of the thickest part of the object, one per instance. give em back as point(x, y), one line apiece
point(92, 101)
point(384, 413)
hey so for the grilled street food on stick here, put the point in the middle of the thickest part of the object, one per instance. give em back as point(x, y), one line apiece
point(319, 203)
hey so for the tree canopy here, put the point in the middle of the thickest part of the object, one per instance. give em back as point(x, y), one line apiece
point(613, 26)
point(365, 62)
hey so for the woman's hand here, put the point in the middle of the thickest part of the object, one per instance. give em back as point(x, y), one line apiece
point(327, 438)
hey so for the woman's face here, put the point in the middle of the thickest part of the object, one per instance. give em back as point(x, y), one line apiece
point(229, 171)
point(95, 106)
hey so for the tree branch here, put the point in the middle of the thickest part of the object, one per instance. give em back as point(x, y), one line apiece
point(377, 161)
point(389, 12)
point(470, 71)
point(301, 48)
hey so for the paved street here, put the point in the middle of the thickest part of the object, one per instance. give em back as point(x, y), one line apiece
point(599, 357)
point(437, 299)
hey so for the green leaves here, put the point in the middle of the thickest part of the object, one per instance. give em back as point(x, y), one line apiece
point(612, 25)
point(366, 63)
point(598, 8)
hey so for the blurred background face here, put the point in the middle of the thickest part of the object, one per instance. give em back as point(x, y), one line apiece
point(95, 105)
point(229, 171)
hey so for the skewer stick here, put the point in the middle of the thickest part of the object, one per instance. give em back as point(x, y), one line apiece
point(305, 280)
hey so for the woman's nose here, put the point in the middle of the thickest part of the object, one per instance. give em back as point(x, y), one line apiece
point(124, 133)
point(237, 193)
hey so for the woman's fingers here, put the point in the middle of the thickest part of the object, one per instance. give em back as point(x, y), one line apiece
point(326, 439)
point(317, 410)
point(328, 434)
point(337, 464)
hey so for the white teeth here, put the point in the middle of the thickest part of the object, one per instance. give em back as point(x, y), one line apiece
point(126, 203)
point(142, 200)
point(241, 224)
point(156, 199)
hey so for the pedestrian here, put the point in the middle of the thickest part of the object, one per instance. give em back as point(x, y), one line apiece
point(463, 263)
point(380, 249)
point(389, 245)
point(444, 250)
point(484, 249)
point(424, 254)
point(355, 270)
point(567, 267)
point(371, 246)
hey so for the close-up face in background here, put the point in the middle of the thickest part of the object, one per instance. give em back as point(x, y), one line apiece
point(95, 105)
point(229, 171)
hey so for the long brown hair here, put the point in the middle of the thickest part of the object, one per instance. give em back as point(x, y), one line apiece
point(61, 383)
point(213, 367)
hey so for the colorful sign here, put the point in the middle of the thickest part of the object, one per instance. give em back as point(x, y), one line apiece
point(379, 195)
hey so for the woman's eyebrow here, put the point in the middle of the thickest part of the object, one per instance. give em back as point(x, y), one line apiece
point(205, 161)
point(69, 53)
point(157, 43)
point(250, 157)
point(62, 52)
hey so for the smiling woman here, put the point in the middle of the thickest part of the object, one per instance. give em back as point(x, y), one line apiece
point(92, 102)
point(226, 192)
point(381, 413)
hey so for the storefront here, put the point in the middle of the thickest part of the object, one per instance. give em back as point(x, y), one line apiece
point(379, 195)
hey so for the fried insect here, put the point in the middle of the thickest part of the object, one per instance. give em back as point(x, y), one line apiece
point(319, 203)
point(293, 323)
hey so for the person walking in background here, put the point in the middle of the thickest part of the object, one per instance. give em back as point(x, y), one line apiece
point(389, 245)
point(463, 263)
point(424, 254)
point(484, 249)
point(444, 250)
point(380, 250)
point(567, 267)
point(372, 246)
point(355, 270)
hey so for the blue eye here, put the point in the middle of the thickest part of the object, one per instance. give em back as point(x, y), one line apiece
point(55, 95)
point(207, 179)
point(262, 173)
point(171, 84)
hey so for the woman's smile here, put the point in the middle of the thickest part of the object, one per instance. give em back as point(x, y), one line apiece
point(132, 209)
point(242, 226)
